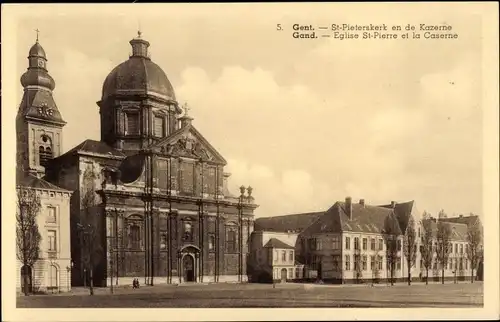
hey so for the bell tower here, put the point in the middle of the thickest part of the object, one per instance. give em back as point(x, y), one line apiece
point(38, 123)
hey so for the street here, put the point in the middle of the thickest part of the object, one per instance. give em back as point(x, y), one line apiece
point(264, 295)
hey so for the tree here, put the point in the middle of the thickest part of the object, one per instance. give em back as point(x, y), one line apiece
point(473, 249)
point(358, 272)
point(426, 250)
point(375, 267)
point(87, 228)
point(27, 234)
point(410, 246)
point(443, 237)
point(391, 232)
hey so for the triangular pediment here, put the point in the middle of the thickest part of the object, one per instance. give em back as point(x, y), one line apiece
point(187, 142)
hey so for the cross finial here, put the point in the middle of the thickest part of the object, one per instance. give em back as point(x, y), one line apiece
point(37, 32)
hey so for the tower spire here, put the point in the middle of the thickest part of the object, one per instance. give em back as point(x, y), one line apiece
point(37, 32)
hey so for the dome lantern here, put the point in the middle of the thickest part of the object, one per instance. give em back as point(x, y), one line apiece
point(139, 46)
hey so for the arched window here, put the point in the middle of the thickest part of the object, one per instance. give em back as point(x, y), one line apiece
point(188, 231)
point(45, 149)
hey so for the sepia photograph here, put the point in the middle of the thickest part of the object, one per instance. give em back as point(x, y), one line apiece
point(250, 156)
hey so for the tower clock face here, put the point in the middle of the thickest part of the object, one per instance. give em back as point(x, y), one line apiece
point(41, 63)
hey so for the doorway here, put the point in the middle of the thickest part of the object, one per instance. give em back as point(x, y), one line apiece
point(283, 275)
point(188, 268)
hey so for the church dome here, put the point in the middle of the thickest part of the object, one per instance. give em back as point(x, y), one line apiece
point(38, 77)
point(37, 51)
point(37, 74)
point(138, 76)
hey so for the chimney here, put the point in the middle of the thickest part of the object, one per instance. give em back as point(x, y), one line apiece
point(393, 204)
point(348, 207)
point(362, 202)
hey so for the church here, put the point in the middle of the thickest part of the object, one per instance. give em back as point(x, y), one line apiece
point(150, 200)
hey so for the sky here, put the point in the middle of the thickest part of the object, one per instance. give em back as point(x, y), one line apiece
point(304, 122)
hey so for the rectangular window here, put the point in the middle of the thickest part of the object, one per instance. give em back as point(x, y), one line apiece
point(421, 263)
point(372, 262)
point(51, 238)
point(356, 243)
point(357, 262)
point(421, 249)
point(399, 245)
point(398, 263)
point(312, 244)
point(51, 214)
point(132, 123)
point(466, 264)
point(319, 245)
point(450, 263)
point(365, 243)
point(231, 241)
point(283, 256)
point(380, 262)
point(418, 232)
point(461, 249)
point(336, 262)
point(380, 244)
point(372, 244)
point(275, 256)
point(347, 262)
point(347, 243)
point(456, 248)
point(466, 248)
point(290, 273)
point(336, 242)
point(365, 264)
point(290, 257)
point(297, 272)
point(159, 126)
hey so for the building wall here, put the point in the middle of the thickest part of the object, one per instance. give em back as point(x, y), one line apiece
point(52, 254)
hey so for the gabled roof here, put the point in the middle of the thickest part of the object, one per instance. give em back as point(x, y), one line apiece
point(458, 230)
point(402, 212)
point(462, 220)
point(365, 218)
point(276, 243)
point(295, 222)
point(97, 147)
point(31, 181)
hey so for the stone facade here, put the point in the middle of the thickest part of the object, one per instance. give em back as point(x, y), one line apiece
point(152, 192)
point(39, 139)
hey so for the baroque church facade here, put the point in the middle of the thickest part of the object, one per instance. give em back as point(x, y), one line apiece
point(150, 200)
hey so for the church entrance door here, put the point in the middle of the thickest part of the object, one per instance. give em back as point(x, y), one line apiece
point(188, 266)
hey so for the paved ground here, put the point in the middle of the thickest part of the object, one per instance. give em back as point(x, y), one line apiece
point(264, 295)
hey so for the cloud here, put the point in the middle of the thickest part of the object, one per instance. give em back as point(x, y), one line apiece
point(79, 80)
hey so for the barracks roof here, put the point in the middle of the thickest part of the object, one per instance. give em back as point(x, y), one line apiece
point(295, 222)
